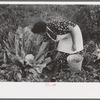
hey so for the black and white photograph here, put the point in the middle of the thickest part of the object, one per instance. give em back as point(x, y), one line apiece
point(49, 43)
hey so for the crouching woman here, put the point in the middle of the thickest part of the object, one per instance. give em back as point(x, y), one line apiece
point(66, 33)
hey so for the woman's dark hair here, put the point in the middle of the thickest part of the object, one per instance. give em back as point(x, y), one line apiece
point(39, 27)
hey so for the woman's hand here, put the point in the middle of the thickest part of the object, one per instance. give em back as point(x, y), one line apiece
point(73, 47)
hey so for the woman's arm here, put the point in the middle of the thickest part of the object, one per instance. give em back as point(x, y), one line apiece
point(42, 48)
point(60, 37)
point(74, 31)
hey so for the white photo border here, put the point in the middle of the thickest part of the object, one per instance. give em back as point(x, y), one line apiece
point(62, 90)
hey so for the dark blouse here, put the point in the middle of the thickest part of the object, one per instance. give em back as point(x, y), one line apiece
point(57, 28)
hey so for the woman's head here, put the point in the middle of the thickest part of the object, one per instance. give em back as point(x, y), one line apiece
point(39, 27)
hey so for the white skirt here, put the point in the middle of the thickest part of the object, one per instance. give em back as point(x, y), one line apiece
point(65, 45)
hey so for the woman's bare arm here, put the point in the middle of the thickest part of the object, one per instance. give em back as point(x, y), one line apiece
point(73, 31)
point(42, 48)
